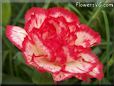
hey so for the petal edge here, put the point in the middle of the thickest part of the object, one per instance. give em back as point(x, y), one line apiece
point(16, 35)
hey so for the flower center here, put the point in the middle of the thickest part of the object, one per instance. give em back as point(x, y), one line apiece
point(58, 40)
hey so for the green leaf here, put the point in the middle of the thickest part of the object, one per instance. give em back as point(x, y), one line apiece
point(19, 58)
point(6, 12)
point(21, 12)
point(96, 13)
point(108, 39)
point(20, 61)
point(105, 81)
point(8, 79)
point(28, 70)
point(41, 78)
point(96, 50)
point(47, 3)
point(70, 81)
point(6, 42)
point(111, 61)
point(77, 11)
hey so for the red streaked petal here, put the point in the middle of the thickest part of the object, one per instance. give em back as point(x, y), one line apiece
point(78, 66)
point(34, 23)
point(61, 76)
point(42, 49)
point(58, 11)
point(97, 72)
point(34, 18)
point(29, 48)
point(33, 46)
point(44, 63)
point(39, 12)
point(73, 27)
point(31, 24)
point(88, 57)
point(16, 35)
point(86, 37)
point(31, 63)
point(83, 76)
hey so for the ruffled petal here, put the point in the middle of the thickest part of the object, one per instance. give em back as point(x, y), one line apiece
point(86, 62)
point(83, 76)
point(78, 66)
point(16, 35)
point(29, 62)
point(44, 63)
point(51, 34)
point(73, 27)
point(34, 18)
point(86, 37)
point(33, 46)
point(88, 56)
point(39, 12)
point(97, 72)
point(29, 48)
point(61, 76)
point(58, 11)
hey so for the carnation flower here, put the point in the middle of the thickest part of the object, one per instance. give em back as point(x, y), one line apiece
point(53, 40)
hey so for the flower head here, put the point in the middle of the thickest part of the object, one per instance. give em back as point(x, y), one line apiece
point(54, 41)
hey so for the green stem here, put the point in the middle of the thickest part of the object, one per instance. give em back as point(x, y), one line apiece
point(105, 43)
point(10, 63)
point(47, 3)
point(5, 54)
point(20, 14)
point(107, 36)
point(94, 16)
point(96, 13)
point(15, 65)
point(77, 11)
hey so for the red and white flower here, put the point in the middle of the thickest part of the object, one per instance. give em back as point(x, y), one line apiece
point(54, 41)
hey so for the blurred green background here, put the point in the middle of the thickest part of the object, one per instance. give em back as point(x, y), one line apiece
point(15, 71)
